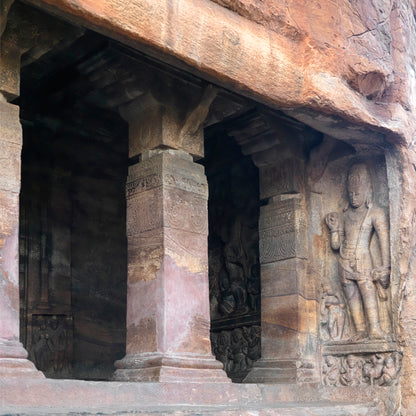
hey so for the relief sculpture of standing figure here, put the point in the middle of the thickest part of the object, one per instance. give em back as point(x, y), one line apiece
point(363, 283)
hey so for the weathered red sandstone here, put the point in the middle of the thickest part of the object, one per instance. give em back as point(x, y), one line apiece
point(339, 83)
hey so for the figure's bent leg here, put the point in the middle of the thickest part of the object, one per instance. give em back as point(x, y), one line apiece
point(354, 302)
point(369, 295)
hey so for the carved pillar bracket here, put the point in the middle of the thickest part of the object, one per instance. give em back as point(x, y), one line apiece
point(28, 32)
point(288, 306)
point(168, 318)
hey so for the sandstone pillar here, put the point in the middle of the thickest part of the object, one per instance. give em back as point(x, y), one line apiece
point(288, 307)
point(13, 357)
point(168, 318)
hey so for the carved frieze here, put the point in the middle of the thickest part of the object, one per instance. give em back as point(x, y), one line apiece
point(352, 370)
point(237, 349)
point(234, 269)
point(169, 168)
point(50, 344)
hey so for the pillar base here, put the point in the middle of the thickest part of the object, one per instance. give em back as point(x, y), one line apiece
point(170, 368)
point(14, 362)
point(282, 371)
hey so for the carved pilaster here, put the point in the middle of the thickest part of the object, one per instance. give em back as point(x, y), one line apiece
point(29, 32)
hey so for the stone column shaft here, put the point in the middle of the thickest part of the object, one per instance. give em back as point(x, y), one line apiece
point(168, 317)
point(288, 311)
point(13, 357)
point(168, 320)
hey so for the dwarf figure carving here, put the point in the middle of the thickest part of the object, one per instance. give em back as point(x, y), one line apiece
point(351, 371)
point(331, 370)
point(391, 370)
point(364, 284)
point(333, 316)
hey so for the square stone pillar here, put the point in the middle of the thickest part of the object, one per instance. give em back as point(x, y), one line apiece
point(13, 357)
point(288, 307)
point(168, 316)
point(168, 320)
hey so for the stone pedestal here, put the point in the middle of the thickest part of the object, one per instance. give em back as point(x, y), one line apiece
point(168, 321)
point(288, 309)
point(13, 357)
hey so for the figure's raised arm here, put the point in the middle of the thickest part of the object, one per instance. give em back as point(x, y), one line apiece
point(334, 225)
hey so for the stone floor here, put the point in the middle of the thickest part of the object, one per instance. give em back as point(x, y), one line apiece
point(313, 409)
point(70, 397)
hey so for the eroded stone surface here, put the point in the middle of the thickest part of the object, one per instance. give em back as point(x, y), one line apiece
point(307, 65)
point(346, 69)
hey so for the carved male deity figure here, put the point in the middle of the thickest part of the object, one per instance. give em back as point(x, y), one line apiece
point(363, 283)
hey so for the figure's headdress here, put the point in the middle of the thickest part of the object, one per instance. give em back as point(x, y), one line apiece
point(359, 177)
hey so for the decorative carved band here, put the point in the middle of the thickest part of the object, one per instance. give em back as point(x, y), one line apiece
point(379, 369)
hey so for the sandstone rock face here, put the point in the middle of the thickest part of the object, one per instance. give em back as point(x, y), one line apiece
point(346, 69)
point(325, 58)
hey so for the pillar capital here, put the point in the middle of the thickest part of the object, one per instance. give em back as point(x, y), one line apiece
point(26, 31)
point(163, 117)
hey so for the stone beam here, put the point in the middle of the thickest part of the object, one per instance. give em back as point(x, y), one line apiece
point(234, 52)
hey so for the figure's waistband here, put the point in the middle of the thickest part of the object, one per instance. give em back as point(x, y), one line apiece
point(352, 269)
